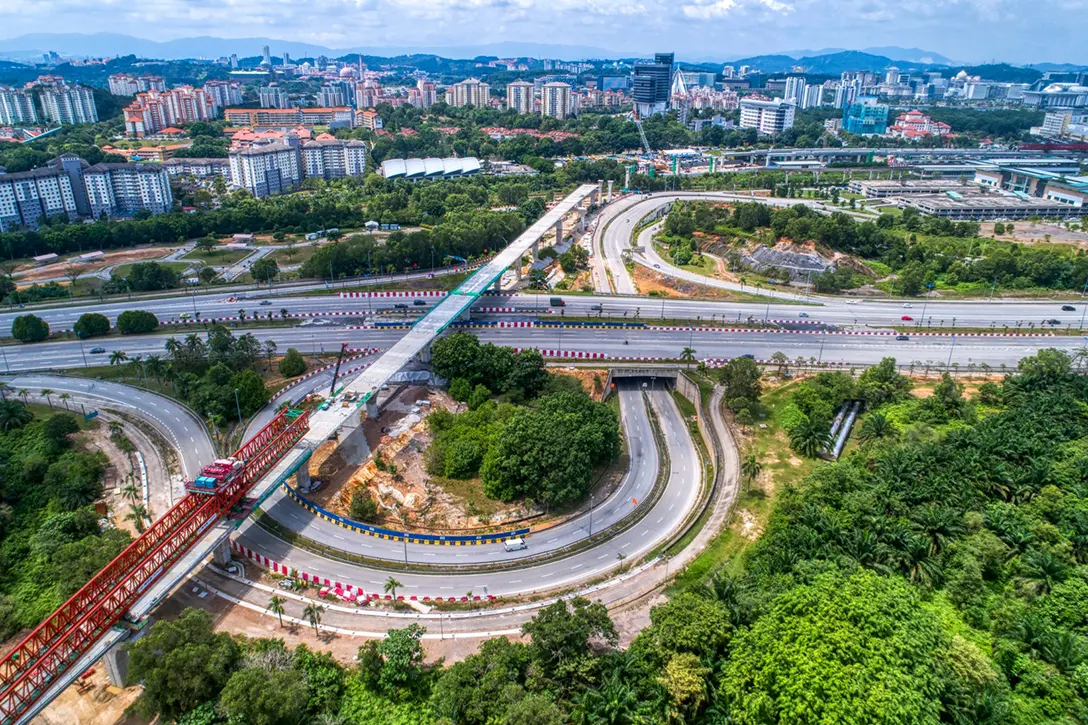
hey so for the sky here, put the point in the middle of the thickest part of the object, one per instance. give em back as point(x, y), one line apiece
point(1018, 31)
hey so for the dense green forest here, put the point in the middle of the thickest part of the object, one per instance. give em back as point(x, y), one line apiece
point(921, 250)
point(935, 575)
point(50, 539)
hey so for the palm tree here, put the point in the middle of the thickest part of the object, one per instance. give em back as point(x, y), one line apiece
point(131, 492)
point(137, 366)
point(810, 437)
point(687, 355)
point(155, 366)
point(173, 345)
point(3, 390)
point(313, 613)
point(25, 395)
point(137, 515)
point(118, 357)
point(13, 415)
point(283, 312)
point(115, 428)
point(242, 315)
point(391, 585)
point(876, 426)
point(275, 605)
point(1040, 570)
point(65, 397)
point(750, 468)
point(48, 394)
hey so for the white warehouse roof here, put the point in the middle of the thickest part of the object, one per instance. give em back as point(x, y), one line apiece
point(429, 168)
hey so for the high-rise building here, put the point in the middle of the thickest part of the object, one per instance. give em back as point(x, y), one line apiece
point(272, 96)
point(795, 90)
point(428, 95)
point(124, 189)
point(68, 104)
point(865, 116)
point(266, 169)
point(891, 74)
point(767, 117)
point(728, 71)
point(330, 95)
point(224, 93)
point(126, 84)
point(469, 92)
point(519, 96)
point(333, 159)
point(653, 84)
point(813, 97)
point(555, 100)
point(28, 196)
point(267, 59)
point(234, 61)
point(153, 111)
point(17, 106)
point(367, 93)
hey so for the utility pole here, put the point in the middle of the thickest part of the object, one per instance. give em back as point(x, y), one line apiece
point(336, 371)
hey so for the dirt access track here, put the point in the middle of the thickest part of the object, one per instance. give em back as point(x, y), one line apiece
point(28, 273)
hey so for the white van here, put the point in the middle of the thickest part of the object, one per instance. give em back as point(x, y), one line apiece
point(515, 544)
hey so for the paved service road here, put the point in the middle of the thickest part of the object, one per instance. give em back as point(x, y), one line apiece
point(676, 501)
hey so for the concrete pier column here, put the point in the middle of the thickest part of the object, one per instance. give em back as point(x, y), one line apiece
point(425, 354)
point(559, 231)
point(221, 555)
point(580, 225)
point(534, 252)
point(608, 199)
point(302, 476)
point(116, 661)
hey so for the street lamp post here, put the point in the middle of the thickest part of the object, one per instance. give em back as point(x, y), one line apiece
point(80, 338)
point(238, 406)
point(823, 337)
point(950, 351)
point(591, 513)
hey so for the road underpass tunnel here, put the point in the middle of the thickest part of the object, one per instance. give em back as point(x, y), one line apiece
point(646, 379)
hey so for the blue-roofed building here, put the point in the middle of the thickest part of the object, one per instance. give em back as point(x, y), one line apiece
point(866, 117)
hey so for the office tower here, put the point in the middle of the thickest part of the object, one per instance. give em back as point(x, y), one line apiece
point(286, 59)
point(272, 96)
point(653, 83)
point(555, 100)
point(68, 104)
point(469, 92)
point(234, 61)
point(891, 75)
point(768, 117)
point(865, 116)
point(333, 159)
point(17, 106)
point(266, 169)
point(813, 97)
point(795, 90)
point(728, 71)
point(329, 96)
point(519, 96)
point(267, 60)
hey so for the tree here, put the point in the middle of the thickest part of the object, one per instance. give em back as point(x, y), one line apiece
point(256, 696)
point(403, 658)
point(810, 437)
point(741, 379)
point(138, 516)
point(830, 651)
point(206, 244)
point(875, 427)
point(685, 683)
point(560, 634)
point(312, 612)
point(206, 275)
point(64, 398)
point(363, 507)
point(118, 357)
point(264, 269)
point(750, 468)
point(881, 384)
point(687, 355)
point(181, 663)
point(275, 605)
point(91, 324)
point(293, 364)
point(14, 414)
point(391, 585)
point(135, 322)
point(29, 328)
point(48, 394)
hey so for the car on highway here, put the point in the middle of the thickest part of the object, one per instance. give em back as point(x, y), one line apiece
point(1068, 308)
point(97, 350)
point(851, 302)
point(400, 306)
point(907, 318)
point(515, 544)
point(902, 338)
point(749, 355)
point(595, 308)
point(657, 266)
point(265, 303)
point(419, 303)
point(908, 305)
point(803, 314)
point(1052, 322)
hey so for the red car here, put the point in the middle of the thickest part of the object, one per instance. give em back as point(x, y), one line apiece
point(907, 318)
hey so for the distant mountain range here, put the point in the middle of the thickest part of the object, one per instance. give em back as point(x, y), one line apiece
point(827, 61)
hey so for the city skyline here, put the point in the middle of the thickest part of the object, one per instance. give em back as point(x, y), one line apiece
point(961, 30)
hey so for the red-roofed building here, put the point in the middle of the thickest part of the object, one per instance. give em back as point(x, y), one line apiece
point(916, 125)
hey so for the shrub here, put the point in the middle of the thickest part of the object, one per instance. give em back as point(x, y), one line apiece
point(292, 364)
point(92, 324)
point(363, 508)
point(29, 328)
point(135, 322)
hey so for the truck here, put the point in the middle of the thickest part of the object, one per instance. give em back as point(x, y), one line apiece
point(557, 302)
point(216, 475)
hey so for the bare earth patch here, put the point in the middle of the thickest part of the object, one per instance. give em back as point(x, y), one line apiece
point(29, 273)
point(747, 525)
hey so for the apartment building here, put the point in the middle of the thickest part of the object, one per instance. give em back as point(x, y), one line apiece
point(29, 196)
point(224, 93)
point(428, 95)
point(766, 116)
point(153, 111)
point(124, 189)
point(555, 100)
point(200, 168)
point(333, 159)
point(17, 106)
point(272, 96)
point(126, 84)
point(342, 117)
point(266, 169)
point(520, 96)
point(369, 119)
point(68, 104)
point(469, 92)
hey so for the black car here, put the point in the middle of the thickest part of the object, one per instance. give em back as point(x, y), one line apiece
point(1052, 322)
point(400, 306)
point(749, 355)
point(97, 350)
point(1068, 308)
point(902, 338)
point(419, 303)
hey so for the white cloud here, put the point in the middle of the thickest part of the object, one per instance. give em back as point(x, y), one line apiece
point(703, 10)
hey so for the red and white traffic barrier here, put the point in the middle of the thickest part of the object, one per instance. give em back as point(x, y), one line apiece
point(422, 293)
